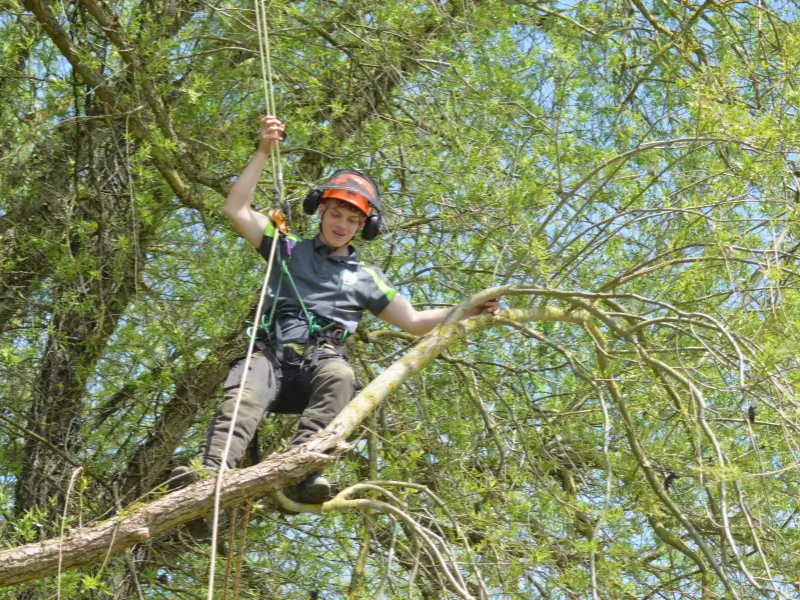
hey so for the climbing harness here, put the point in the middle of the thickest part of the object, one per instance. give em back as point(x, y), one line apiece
point(315, 329)
point(318, 333)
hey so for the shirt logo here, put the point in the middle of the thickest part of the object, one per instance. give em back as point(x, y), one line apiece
point(348, 277)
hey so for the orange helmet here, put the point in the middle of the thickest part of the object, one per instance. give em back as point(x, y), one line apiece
point(351, 187)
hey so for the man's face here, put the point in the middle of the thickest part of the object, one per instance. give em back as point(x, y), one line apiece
point(340, 223)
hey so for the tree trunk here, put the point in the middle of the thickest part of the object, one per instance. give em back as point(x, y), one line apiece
point(86, 310)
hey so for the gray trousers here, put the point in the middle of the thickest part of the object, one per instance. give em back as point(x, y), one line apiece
point(318, 392)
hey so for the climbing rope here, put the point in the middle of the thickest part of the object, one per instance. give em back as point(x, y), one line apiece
point(240, 559)
point(229, 439)
point(269, 98)
point(240, 552)
point(229, 561)
point(277, 180)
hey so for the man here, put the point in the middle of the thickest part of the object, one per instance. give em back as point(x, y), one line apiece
point(301, 366)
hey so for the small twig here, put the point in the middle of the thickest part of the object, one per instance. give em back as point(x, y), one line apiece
point(389, 558)
point(340, 502)
point(75, 474)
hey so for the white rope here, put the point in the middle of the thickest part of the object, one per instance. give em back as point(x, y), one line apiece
point(277, 180)
point(224, 457)
point(75, 474)
point(269, 97)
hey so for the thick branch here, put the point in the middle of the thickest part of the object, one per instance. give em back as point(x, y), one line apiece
point(84, 546)
point(416, 359)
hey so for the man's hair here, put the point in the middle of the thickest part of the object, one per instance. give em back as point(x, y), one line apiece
point(334, 202)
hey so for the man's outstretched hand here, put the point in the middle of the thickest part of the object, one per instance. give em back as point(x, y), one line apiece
point(490, 306)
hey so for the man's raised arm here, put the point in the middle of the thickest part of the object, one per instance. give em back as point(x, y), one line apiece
point(238, 207)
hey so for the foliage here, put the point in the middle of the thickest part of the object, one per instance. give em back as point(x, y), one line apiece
point(636, 160)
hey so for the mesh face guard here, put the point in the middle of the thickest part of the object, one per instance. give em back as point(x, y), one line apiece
point(351, 188)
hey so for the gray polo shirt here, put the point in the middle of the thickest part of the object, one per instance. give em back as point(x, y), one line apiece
point(333, 288)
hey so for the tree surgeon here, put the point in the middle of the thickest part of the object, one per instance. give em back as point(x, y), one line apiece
point(301, 365)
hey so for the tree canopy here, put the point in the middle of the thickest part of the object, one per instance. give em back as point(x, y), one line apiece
point(626, 172)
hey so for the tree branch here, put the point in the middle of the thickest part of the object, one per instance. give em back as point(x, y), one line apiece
point(159, 157)
point(84, 546)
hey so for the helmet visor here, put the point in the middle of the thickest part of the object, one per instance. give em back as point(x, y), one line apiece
point(351, 188)
point(352, 198)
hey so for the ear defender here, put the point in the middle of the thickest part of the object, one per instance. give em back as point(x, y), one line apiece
point(372, 227)
point(312, 200)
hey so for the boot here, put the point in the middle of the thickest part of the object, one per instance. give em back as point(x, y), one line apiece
point(180, 477)
point(314, 489)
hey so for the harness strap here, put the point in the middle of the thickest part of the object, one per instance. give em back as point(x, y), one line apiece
point(314, 328)
point(316, 333)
